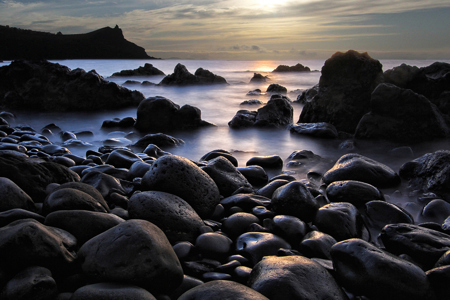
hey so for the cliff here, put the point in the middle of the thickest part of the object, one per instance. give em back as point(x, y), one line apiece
point(104, 43)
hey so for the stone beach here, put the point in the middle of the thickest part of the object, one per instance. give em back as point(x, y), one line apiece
point(137, 222)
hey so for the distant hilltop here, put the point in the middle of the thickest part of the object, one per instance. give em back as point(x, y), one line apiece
point(104, 43)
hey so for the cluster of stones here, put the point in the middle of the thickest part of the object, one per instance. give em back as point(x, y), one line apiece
point(145, 224)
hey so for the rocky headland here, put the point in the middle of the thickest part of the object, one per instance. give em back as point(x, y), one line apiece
point(137, 222)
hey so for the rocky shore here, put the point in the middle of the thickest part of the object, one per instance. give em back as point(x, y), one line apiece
point(137, 222)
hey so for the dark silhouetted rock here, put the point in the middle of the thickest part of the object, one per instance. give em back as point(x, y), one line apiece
point(182, 77)
point(401, 115)
point(111, 291)
point(12, 196)
point(297, 68)
point(158, 139)
point(276, 88)
point(345, 86)
point(15, 214)
point(46, 86)
point(308, 95)
point(222, 289)
point(258, 78)
point(242, 119)
point(256, 175)
point(294, 277)
point(320, 130)
point(363, 269)
point(146, 70)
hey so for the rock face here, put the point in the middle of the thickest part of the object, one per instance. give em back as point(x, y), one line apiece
point(45, 86)
point(297, 68)
point(182, 77)
point(398, 115)
point(345, 86)
point(157, 114)
point(146, 70)
point(104, 43)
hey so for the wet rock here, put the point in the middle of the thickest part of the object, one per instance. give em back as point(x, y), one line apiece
point(243, 119)
point(146, 70)
point(424, 245)
point(341, 220)
point(122, 158)
point(83, 224)
point(220, 152)
point(27, 243)
point(290, 228)
point(138, 169)
point(104, 183)
point(221, 289)
point(252, 102)
point(170, 213)
point(72, 199)
point(154, 151)
point(256, 245)
point(429, 173)
point(257, 78)
point(12, 196)
point(111, 256)
point(363, 268)
point(238, 223)
point(356, 192)
point(271, 187)
point(65, 89)
point(245, 201)
point(276, 88)
point(382, 213)
point(31, 283)
point(278, 112)
point(158, 139)
point(111, 291)
point(267, 162)
point(295, 199)
point(297, 68)
point(227, 178)
point(357, 167)
point(401, 115)
point(213, 244)
point(345, 86)
point(256, 175)
point(320, 130)
point(294, 277)
point(179, 176)
point(438, 278)
point(436, 210)
point(307, 95)
point(317, 244)
point(182, 77)
point(15, 214)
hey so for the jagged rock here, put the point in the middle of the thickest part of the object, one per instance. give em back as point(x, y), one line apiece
point(345, 86)
point(146, 70)
point(297, 68)
point(308, 95)
point(46, 86)
point(401, 115)
point(182, 77)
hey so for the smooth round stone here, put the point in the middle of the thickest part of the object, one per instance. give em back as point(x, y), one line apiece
point(12, 196)
point(436, 210)
point(317, 244)
point(439, 278)
point(292, 229)
point(320, 130)
point(357, 167)
point(77, 159)
point(271, 187)
point(170, 213)
point(267, 162)
point(67, 135)
point(187, 284)
point(245, 201)
point(111, 291)
point(154, 151)
point(179, 176)
point(31, 283)
point(341, 220)
point(210, 276)
point(239, 258)
point(83, 224)
point(138, 169)
point(212, 244)
point(221, 289)
point(134, 252)
point(15, 214)
point(382, 213)
point(86, 188)
point(228, 267)
point(296, 200)
point(362, 268)
point(220, 152)
point(256, 175)
point(183, 249)
point(355, 192)
point(424, 245)
point(294, 277)
point(71, 199)
point(65, 161)
point(262, 212)
point(238, 223)
point(256, 245)
point(122, 158)
point(104, 183)
point(55, 150)
point(227, 178)
point(242, 273)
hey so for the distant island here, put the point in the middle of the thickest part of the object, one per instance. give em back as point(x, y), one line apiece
point(104, 43)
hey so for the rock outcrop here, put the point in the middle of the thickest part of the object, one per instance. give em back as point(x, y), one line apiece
point(146, 70)
point(182, 77)
point(297, 68)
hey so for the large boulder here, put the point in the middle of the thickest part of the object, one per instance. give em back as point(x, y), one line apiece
point(146, 70)
point(134, 252)
point(345, 86)
point(401, 115)
point(221, 289)
point(12, 196)
point(182, 77)
point(429, 173)
point(157, 114)
point(45, 86)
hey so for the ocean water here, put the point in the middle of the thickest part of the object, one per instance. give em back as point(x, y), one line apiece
point(218, 105)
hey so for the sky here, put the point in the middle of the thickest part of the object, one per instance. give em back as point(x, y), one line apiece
point(251, 29)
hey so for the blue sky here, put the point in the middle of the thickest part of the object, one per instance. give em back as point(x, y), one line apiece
point(251, 29)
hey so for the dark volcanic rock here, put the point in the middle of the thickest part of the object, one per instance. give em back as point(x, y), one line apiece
point(276, 88)
point(179, 176)
point(45, 86)
point(243, 118)
point(157, 114)
point(182, 77)
point(345, 86)
point(307, 95)
point(146, 70)
point(258, 78)
point(221, 289)
point(170, 213)
point(320, 130)
point(363, 269)
point(256, 245)
point(134, 252)
point(12, 196)
point(111, 291)
point(297, 68)
point(357, 167)
point(356, 192)
point(401, 115)
point(294, 277)
point(158, 139)
point(429, 173)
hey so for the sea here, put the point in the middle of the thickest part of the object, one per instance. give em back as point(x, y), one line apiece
point(218, 105)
